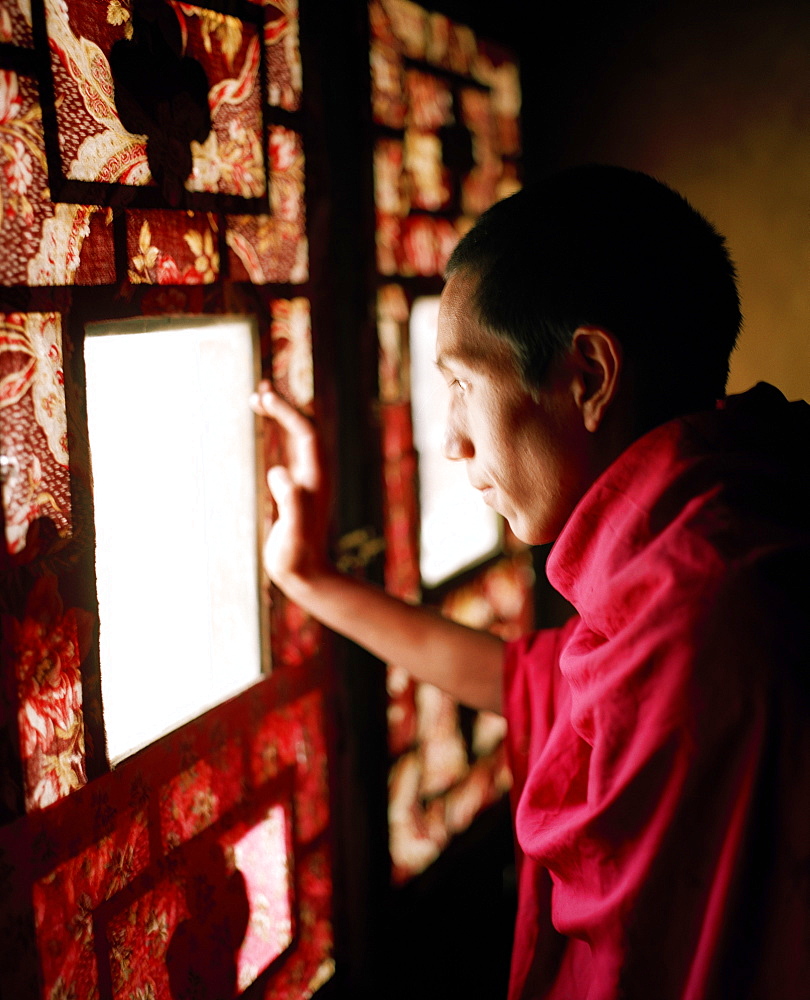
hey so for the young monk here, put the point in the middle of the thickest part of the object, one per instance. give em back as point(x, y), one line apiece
point(659, 741)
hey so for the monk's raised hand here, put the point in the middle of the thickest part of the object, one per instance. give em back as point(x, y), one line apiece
point(295, 549)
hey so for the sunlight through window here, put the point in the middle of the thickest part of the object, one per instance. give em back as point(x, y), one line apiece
point(173, 447)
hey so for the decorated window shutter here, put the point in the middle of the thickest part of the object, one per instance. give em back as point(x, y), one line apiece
point(152, 163)
point(446, 106)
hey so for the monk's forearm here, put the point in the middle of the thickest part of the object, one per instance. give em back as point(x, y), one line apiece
point(465, 663)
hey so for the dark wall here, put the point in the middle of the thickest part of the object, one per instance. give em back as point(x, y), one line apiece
point(713, 98)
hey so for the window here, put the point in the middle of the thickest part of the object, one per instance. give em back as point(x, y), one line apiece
point(173, 447)
point(457, 528)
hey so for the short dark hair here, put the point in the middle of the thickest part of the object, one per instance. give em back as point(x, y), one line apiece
point(613, 248)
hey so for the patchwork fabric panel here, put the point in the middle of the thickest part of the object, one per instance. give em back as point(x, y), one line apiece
point(446, 105)
point(151, 163)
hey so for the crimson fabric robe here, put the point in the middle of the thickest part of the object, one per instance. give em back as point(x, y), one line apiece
point(660, 740)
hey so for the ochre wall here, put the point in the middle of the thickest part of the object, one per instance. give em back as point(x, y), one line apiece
point(713, 99)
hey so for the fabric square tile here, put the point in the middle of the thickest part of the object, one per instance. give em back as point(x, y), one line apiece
point(15, 23)
point(291, 340)
point(437, 50)
point(33, 427)
point(409, 23)
point(264, 249)
point(170, 936)
point(417, 829)
point(95, 144)
point(198, 796)
point(46, 649)
point(430, 101)
point(283, 55)
point(429, 179)
point(231, 159)
point(390, 189)
point(392, 335)
point(402, 576)
point(420, 249)
point(312, 964)
point(65, 901)
point(387, 85)
point(402, 718)
point(388, 240)
point(168, 248)
point(463, 49)
point(295, 637)
point(44, 244)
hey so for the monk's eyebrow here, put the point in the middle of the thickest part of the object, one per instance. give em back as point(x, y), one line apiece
point(448, 360)
point(467, 361)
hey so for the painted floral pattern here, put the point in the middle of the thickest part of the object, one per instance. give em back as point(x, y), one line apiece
point(441, 779)
point(112, 864)
point(33, 432)
point(95, 146)
point(231, 160)
point(257, 847)
point(43, 243)
point(20, 146)
point(66, 898)
point(393, 313)
point(273, 248)
point(47, 647)
point(284, 73)
point(15, 23)
point(200, 795)
point(160, 253)
point(181, 939)
point(292, 350)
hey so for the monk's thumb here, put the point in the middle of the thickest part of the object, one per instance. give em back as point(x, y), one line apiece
point(281, 485)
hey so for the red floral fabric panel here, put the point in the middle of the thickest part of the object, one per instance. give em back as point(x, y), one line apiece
point(393, 314)
point(283, 54)
point(166, 248)
point(181, 939)
point(401, 502)
point(291, 340)
point(65, 901)
point(429, 101)
point(273, 248)
point(93, 143)
point(33, 429)
point(231, 160)
point(417, 246)
point(131, 900)
point(46, 648)
point(15, 23)
point(457, 136)
point(44, 244)
point(443, 778)
point(294, 738)
point(200, 795)
point(453, 152)
point(106, 881)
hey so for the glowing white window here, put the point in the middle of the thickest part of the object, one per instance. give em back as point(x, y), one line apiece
point(457, 528)
point(174, 450)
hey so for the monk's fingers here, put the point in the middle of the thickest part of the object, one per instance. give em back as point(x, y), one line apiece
point(284, 492)
point(302, 441)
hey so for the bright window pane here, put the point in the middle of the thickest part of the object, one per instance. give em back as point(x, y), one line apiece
point(457, 528)
point(173, 449)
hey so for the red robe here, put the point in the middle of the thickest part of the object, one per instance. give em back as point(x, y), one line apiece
point(660, 741)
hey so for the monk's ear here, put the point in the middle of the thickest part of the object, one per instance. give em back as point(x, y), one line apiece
point(596, 356)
